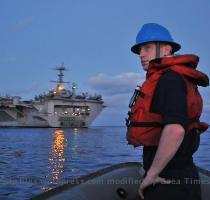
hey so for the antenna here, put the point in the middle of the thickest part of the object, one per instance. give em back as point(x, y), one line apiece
point(60, 68)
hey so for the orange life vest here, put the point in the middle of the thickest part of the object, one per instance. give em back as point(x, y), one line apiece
point(143, 126)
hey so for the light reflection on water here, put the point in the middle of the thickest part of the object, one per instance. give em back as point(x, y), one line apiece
point(36, 160)
point(57, 157)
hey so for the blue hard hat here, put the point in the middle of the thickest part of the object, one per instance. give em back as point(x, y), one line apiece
point(153, 32)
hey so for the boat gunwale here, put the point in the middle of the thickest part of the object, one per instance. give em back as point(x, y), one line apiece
point(84, 178)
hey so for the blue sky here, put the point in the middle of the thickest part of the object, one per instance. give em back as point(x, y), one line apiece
point(93, 39)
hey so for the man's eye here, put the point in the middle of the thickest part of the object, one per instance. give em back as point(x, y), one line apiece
point(147, 47)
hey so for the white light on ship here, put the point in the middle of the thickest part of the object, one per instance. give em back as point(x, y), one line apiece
point(60, 87)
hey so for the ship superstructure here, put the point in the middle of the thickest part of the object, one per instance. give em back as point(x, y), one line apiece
point(60, 107)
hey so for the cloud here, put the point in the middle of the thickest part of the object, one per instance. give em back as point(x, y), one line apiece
point(118, 84)
point(206, 106)
point(117, 101)
point(206, 102)
point(116, 91)
point(22, 23)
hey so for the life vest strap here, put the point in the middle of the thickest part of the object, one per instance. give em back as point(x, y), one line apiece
point(136, 93)
point(152, 124)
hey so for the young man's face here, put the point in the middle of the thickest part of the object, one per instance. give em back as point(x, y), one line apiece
point(147, 52)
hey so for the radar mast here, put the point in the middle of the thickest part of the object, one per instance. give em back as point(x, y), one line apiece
point(60, 81)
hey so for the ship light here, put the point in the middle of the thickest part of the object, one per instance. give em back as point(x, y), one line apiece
point(60, 88)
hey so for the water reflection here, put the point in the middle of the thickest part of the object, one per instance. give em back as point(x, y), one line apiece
point(57, 156)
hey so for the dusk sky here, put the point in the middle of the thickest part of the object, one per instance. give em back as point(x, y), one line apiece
point(93, 39)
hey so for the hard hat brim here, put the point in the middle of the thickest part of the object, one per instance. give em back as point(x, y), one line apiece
point(175, 46)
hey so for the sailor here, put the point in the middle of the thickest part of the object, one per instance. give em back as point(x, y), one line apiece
point(164, 116)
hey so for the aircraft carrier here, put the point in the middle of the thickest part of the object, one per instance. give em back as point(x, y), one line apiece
point(59, 107)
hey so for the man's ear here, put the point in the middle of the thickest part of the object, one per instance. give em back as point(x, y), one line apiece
point(168, 49)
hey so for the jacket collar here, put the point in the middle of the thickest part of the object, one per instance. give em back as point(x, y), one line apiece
point(187, 65)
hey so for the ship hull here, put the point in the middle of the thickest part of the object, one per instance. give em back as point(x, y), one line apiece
point(54, 113)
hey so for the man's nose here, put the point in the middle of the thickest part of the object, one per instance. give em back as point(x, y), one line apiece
point(141, 52)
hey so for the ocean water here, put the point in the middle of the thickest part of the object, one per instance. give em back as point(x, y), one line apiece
point(36, 160)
